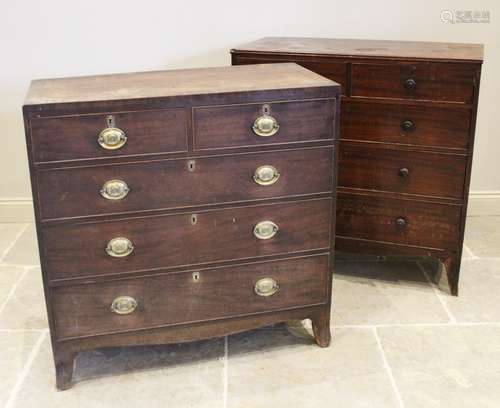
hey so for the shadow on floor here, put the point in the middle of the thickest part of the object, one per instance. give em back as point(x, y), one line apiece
point(115, 361)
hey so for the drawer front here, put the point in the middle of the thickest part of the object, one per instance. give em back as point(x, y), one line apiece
point(409, 172)
point(179, 183)
point(78, 137)
point(186, 239)
point(406, 222)
point(186, 297)
point(336, 71)
point(220, 127)
point(419, 81)
point(405, 124)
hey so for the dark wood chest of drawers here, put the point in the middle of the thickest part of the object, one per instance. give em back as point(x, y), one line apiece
point(180, 205)
point(406, 140)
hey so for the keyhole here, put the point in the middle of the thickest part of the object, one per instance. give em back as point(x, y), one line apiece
point(194, 219)
point(196, 276)
point(266, 109)
point(191, 165)
point(110, 120)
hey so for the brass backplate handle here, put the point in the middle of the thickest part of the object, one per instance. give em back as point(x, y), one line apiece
point(114, 189)
point(112, 138)
point(265, 125)
point(266, 287)
point(265, 230)
point(119, 247)
point(123, 305)
point(266, 175)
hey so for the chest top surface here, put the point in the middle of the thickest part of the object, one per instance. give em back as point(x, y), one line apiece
point(171, 83)
point(366, 48)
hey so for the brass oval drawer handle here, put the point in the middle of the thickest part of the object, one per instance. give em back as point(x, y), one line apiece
point(266, 287)
point(410, 84)
point(112, 138)
point(407, 125)
point(114, 189)
point(265, 126)
point(265, 230)
point(123, 305)
point(266, 175)
point(401, 222)
point(119, 247)
point(404, 172)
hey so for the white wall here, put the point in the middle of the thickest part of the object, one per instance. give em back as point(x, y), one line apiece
point(67, 38)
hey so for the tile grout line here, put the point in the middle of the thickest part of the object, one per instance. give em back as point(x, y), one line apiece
point(387, 368)
point(13, 289)
point(22, 376)
point(14, 242)
point(12, 265)
point(404, 325)
point(438, 294)
point(225, 373)
point(20, 330)
point(470, 254)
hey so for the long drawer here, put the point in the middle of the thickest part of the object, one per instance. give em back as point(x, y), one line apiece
point(114, 247)
point(400, 221)
point(276, 123)
point(436, 81)
point(95, 136)
point(421, 125)
point(409, 172)
point(100, 190)
point(169, 299)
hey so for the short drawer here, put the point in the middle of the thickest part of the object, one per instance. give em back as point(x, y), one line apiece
point(114, 247)
point(406, 222)
point(400, 171)
point(188, 297)
point(421, 125)
point(436, 81)
point(109, 135)
point(277, 123)
point(336, 71)
point(100, 190)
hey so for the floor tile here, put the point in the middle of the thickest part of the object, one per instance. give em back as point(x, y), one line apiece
point(25, 251)
point(478, 291)
point(479, 207)
point(383, 292)
point(8, 233)
point(447, 366)
point(183, 375)
point(274, 368)
point(9, 275)
point(482, 236)
point(15, 348)
point(26, 307)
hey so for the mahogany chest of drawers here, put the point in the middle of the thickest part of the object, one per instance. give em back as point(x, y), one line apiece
point(406, 140)
point(180, 205)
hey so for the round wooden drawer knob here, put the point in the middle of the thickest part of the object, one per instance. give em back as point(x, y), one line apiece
point(404, 172)
point(401, 222)
point(410, 84)
point(407, 125)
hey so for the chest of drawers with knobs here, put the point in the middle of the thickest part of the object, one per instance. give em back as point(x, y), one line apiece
point(406, 139)
point(180, 205)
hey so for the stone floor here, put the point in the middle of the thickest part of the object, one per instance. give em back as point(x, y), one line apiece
point(398, 341)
